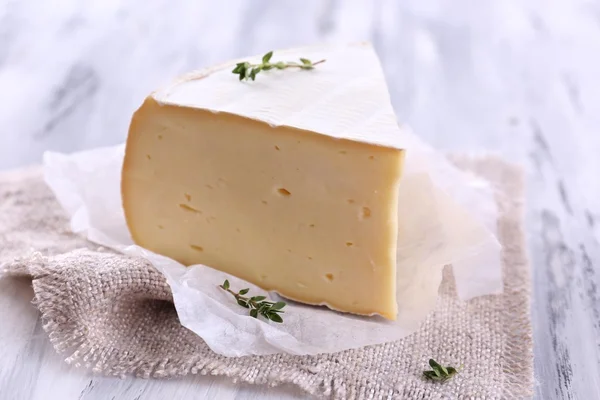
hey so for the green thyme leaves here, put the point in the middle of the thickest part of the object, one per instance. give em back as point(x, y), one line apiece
point(258, 305)
point(246, 71)
point(438, 372)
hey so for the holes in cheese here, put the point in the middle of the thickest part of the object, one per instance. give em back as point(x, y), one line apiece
point(196, 247)
point(349, 244)
point(284, 192)
point(189, 208)
point(365, 213)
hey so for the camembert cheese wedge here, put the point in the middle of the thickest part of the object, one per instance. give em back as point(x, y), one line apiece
point(289, 181)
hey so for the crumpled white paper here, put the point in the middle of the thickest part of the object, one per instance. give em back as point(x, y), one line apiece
point(446, 217)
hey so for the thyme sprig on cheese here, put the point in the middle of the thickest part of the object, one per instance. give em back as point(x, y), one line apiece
point(246, 71)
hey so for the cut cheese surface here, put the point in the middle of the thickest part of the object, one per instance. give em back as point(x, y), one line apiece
point(294, 197)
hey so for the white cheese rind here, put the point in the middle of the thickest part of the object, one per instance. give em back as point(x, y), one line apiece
point(344, 97)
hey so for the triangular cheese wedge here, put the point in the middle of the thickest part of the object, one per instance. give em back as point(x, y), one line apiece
point(289, 181)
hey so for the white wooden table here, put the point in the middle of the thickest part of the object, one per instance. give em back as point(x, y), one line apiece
point(519, 78)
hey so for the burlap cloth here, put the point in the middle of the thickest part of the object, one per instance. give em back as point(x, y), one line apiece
point(113, 314)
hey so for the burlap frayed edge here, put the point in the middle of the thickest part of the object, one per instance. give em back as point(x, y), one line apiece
point(509, 179)
point(518, 352)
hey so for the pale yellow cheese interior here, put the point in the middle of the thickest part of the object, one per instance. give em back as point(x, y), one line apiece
point(309, 216)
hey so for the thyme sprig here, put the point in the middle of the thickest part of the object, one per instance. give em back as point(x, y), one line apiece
point(438, 372)
point(258, 305)
point(246, 71)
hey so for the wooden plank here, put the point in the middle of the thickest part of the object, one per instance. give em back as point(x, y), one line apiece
point(19, 356)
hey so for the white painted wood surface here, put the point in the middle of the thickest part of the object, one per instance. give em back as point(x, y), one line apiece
point(515, 77)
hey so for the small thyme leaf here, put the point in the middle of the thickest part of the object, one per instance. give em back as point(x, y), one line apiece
point(238, 67)
point(258, 305)
point(275, 318)
point(246, 71)
point(437, 368)
point(267, 57)
point(263, 307)
point(430, 375)
point(439, 373)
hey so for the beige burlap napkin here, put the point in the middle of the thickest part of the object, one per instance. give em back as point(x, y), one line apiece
point(113, 314)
